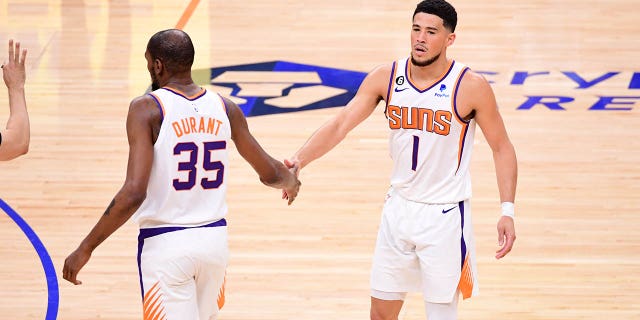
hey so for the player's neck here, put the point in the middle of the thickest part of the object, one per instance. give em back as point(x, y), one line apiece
point(431, 72)
point(183, 84)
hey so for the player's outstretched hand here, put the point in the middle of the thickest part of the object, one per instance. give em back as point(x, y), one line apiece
point(13, 70)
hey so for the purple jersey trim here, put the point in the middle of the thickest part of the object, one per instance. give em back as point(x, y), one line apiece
point(393, 73)
point(182, 95)
point(464, 138)
point(455, 95)
point(463, 244)
point(224, 103)
point(159, 106)
point(406, 74)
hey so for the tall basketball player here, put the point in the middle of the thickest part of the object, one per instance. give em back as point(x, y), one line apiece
point(176, 186)
point(14, 138)
point(425, 241)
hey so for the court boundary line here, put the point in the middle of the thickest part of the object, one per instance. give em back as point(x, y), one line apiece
point(53, 299)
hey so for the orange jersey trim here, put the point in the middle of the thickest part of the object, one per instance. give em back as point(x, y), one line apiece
point(423, 89)
point(180, 93)
point(152, 306)
point(465, 285)
point(224, 104)
point(454, 108)
point(221, 296)
point(394, 70)
point(159, 103)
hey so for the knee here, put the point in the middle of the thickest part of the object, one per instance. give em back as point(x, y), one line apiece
point(382, 313)
point(387, 309)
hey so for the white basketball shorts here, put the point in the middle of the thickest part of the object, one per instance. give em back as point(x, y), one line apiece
point(426, 248)
point(182, 271)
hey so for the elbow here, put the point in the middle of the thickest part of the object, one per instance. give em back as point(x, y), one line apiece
point(23, 149)
point(133, 197)
point(14, 152)
point(505, 148)
point(136, 198)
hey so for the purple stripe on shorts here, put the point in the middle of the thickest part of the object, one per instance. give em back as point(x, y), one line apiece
point(463, 245)
point(151, 232)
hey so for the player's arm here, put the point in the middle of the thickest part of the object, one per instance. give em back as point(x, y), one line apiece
point(140, 121)
point(14, 138)
point(271, 171)
point(371, 91)
point(478, 91)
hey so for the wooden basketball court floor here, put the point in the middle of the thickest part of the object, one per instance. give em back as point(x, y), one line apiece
point(577, 255)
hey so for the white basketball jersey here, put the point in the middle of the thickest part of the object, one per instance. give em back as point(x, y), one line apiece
point(187, 186)
point(430, 143)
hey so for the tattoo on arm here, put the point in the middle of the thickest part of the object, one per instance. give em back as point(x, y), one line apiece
point(113, 202)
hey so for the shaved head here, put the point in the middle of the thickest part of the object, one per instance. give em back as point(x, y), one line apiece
point(174, 48)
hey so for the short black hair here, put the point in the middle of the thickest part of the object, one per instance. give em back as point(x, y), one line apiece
point(174, 48)
point(440, 8)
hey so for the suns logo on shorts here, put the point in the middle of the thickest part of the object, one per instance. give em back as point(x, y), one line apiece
point(280, 86)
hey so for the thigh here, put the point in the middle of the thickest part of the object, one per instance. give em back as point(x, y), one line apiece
point(210, 275)
point(439, 251)
point(395, 265)
point(167, 277)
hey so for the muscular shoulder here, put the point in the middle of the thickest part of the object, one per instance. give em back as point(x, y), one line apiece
point(236, 117)
point(475, 93)
point(377, 81)
point(145, 110)
point(472, 81)
point(145, 105)
point(141, 102)
point(381, 73)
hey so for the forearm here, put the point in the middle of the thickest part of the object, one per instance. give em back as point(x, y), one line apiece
point(117, 213)
point(321, 142)
point(506, 166)
point(16, 134)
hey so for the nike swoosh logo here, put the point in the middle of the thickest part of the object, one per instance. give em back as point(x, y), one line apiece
point(445, 211)
point(398, 89)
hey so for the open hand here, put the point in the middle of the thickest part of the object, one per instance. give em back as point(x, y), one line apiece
point(13, 68)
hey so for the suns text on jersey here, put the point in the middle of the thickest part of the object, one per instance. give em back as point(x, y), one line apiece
point(438, 121)
point(192, 125)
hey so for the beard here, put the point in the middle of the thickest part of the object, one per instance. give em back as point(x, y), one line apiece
point(424, 63)
point(154, 82)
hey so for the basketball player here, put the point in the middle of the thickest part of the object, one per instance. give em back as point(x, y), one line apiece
point(425, 240)
point(176, 186)
point(14, 138)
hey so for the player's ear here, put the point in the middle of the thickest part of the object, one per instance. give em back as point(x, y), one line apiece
point(451, 38)
point(158, 66)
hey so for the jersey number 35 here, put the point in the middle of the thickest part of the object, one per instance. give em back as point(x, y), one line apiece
point(207, 164)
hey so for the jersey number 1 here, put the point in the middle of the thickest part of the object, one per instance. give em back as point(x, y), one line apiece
point(414, 155)
point(207, 165)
